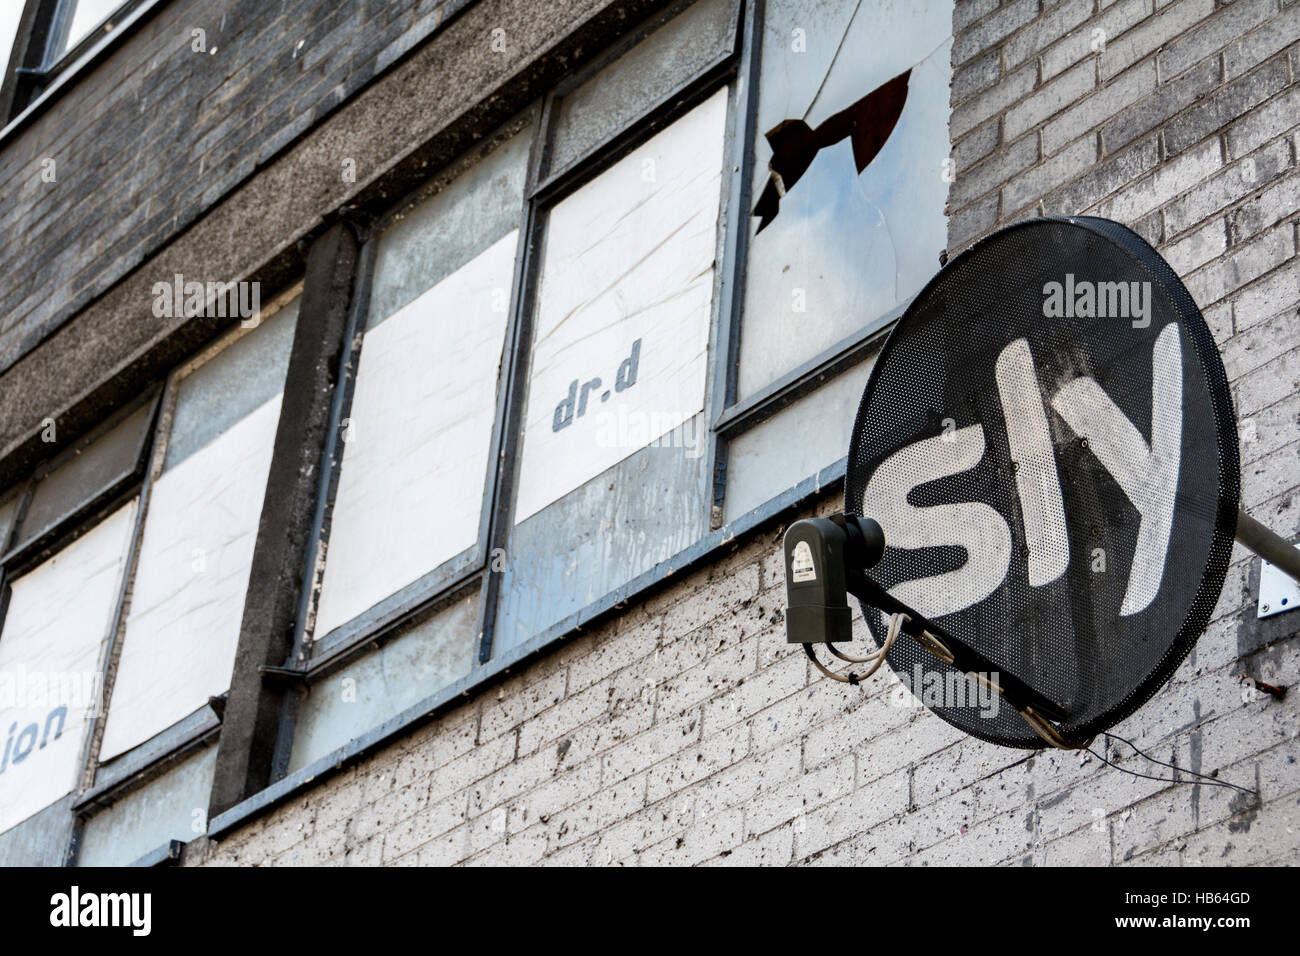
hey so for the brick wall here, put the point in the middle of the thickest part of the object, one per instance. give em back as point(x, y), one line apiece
point(686, 731)
point(158, 133)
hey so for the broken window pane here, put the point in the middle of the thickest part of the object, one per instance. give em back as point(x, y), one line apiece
point(172, 806)
point(839, 247)
point(55, 628)
point(418, 435)
point(811, 434)
point(629, 87)
point(611, 471)
point(382, 683)
point(187, 599)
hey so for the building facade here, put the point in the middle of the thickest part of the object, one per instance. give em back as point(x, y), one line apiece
point(401, 404)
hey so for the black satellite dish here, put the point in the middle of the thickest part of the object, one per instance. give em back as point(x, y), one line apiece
point(1043, 477)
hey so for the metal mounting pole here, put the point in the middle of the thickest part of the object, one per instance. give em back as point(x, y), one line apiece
point(1270, 546)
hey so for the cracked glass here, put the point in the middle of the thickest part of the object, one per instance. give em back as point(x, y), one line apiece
point(849, 176)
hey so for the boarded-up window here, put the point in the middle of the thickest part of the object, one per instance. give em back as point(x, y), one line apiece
point(202, 514)
point(417, 438)
point(55, 629)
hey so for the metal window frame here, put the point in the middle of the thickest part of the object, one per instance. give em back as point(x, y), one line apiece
point(315, 658)
point(738, 69)
point(35, 74)
point(547, 190)
point(101, 784)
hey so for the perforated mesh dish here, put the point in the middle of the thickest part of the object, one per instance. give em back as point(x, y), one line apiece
point(1091, 610)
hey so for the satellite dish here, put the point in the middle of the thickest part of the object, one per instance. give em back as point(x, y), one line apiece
point(1048, 449)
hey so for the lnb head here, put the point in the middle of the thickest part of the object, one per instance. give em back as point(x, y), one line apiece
point(819, 552)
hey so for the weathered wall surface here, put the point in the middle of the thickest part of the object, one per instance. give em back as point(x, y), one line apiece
point(217, 173)
point(686, 731)
point(162, 131)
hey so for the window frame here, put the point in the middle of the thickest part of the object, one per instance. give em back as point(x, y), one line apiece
point(737, 69)
point(315, 658)
point(99, 784)
point(34, 77)
point(726, 417)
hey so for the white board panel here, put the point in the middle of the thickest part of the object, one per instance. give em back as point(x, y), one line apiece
point(188, 595)
point(58, 620)
point(622, 323)
point(418, 437)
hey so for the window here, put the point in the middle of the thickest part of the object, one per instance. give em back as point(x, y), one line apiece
point(76, 20)
point(844, 249)
point(125, 564)
point(581, 362)
point(45, 649)
point(590, 352)
point(43, 38)
point(9, 16)
point(417, 436)
point(535, 360)
point(612, 462)
point(64, 539)
point(200, 523)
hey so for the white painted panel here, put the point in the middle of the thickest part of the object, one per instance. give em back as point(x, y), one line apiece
point(58, 620)
point(188, 595)
point(418, 437)
point(628, 259)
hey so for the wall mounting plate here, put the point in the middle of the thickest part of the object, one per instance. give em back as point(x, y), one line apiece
point(1278, 591)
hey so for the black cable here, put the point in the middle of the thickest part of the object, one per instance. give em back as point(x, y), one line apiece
point(1207, 781)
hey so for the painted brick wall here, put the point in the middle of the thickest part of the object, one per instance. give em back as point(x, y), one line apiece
point(686, 731)
point(158, 133)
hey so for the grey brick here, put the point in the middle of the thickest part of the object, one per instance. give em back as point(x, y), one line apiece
point(1113, 96)
point(973, 221)
point(975, 75)
point(977, 144)
point(1105, 177)
point(993, 171)
point(1167, 101)
point(1262, 42)
point(1051, 26)
point(1274, 205)
point(966, 116)
point(1229, 185)
point(1049, 99)
point(966, 12)
point(1033, 185)
point(1225, 104)
point(1168, 180)
point(1113, 22)
point(1213, 34)
point(1197, 248)
point(1247, 262)
point(1148, 36)
point(1264, 122)
point(993, 28)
